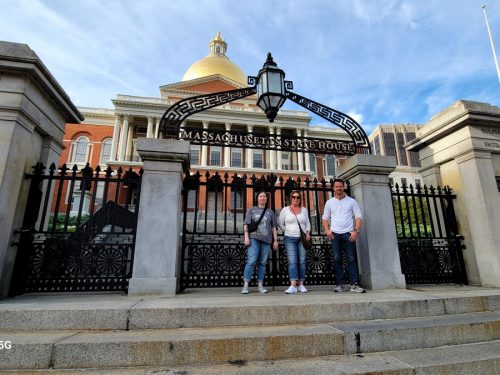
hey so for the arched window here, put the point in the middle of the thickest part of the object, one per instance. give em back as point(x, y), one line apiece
point(81, 150)
point(105, 150)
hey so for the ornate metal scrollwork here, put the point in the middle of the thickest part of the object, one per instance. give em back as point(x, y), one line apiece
point(171, 120)
point(337, 118)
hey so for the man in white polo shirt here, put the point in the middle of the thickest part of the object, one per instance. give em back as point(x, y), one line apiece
point(342, 220)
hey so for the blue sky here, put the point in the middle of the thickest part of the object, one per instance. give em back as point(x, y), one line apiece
point(381, 61)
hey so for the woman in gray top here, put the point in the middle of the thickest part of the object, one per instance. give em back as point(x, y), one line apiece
point(259, 242)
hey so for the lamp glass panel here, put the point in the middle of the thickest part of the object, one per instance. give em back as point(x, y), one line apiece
point(275, 82)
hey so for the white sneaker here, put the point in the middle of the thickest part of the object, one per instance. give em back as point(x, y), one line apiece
point(244, 290)
point(357, 289)
point(262, 289)
point(302, 289)
point(291, 290)
point(339, 289)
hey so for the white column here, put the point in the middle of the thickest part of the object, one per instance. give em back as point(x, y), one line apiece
point(130, 140)
point(249, 150)
point(203, 161)
point(227, 149)
point(272, 153)
point(116, 135)
point(149, 134)
point(123, 138)
point(300, 155)
point(278, 136)
point(307, 156)
point(157, 128)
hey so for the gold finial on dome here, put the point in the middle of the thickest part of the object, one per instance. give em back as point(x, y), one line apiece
point(217, 45)
point(216, 62)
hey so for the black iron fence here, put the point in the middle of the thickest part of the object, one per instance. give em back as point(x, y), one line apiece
point(429, 244)
point(78, 231)
point(212, 251)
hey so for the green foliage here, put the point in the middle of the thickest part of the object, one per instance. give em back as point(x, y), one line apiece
point(407, 214)
point(72, 221)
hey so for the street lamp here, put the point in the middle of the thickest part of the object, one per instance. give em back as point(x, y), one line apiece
point(270, 88)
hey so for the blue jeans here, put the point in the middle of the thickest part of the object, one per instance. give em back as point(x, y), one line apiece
point(257, 252)
point(297, 258)
point(342, 241)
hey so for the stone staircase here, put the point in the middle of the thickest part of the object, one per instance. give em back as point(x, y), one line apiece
point(433, 330)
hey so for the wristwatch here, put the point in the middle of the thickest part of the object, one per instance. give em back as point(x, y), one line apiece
point(356, 230)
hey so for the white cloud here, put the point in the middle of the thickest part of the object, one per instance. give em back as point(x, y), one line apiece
point(389, 60)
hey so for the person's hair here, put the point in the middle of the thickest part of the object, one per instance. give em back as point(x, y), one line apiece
point(338, 180)
point(298, 192)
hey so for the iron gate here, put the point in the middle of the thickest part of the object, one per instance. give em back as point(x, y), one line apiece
point(430, 247)
point(78, 230)
point(212, 251)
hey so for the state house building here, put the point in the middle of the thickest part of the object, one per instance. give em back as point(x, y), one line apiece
point(107, 137)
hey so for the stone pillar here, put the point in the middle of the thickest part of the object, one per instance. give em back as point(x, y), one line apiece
point(227, 149)
point(204, 149)
point(32, 116)
point(306, 155)
point(272, 153)
point(116, 135)
point(300, 155)
point(157, 127)
point(377, 246)
point(157, 253)
point(483, 215)
point(130, 143)
point(149, 133)
point(278, 153)
point(249, 163)
point(123, 138)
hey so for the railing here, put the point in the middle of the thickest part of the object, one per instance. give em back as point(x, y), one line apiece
point(68, 242)
point(212, 250)
point(428, 239)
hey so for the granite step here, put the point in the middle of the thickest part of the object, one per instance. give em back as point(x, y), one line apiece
point(477, 358)
point(216, 345)
point(124, 313)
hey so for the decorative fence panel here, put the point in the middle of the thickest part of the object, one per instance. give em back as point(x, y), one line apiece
point(212, 251)
point(429, 244)
point(78, 230)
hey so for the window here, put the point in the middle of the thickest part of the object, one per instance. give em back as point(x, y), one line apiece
point(81, 150)
point(285, 161)
point(215, 155)
point(312, 161)
point(236, 158)
point(402, 152)
point(498, 182)
point(236, 201)
point(376, 142)
point(105, 150)
point(194, 153)
point(417, 182)
point(390, 145)
point(391, 180)
point(258, 159)
point(330, 165)
point(403, 182)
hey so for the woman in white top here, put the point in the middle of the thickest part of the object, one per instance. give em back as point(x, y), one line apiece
point(295, 251)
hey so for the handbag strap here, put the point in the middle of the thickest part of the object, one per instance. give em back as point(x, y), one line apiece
point(261, 216)
point(296, 218)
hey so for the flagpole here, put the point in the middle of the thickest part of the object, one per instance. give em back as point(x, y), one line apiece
point(491, 42)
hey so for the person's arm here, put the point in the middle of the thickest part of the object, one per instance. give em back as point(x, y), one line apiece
point(248, 219)
point(326, 221)
point(358, 221)
point(281, 219)
point(275, 238)
point(305, 213)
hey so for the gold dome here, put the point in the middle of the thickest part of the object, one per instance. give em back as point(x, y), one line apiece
point(216, 62)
